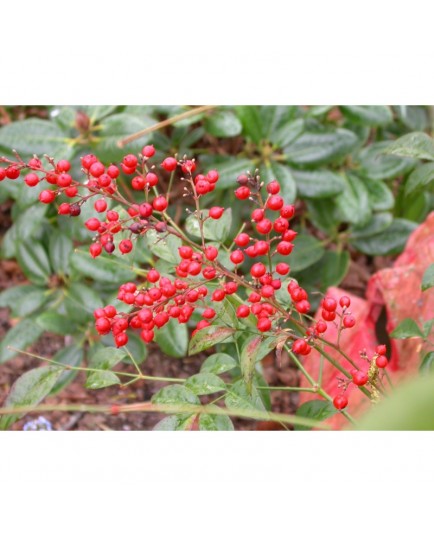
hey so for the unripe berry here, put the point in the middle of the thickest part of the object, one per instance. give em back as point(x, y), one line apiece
point(340, 402)
point(47, 196)
point(169, 164)
point(242, 239)
point(216, 212)
point(242, 192)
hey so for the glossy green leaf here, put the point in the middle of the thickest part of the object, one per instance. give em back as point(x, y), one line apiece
point(164, 246)
point(29, 390)
point(376, 162)
point(208, 337)
point(428, 278)
point(281, 174)
point(175, 423)
point(215, 423)
point(34, 262)
point(106, 358)
point(406, 330)
point(218, 363)
point(212, 229)
point(420, 177)
point(59, 251)
point(56, 323)
point(318, 410)
point(229, 167)
point(318, 184)
point(377, 224)
point(253, 349)
point(427, 364)
point(413, 117)
point(314, 149)
point(329, 271)
point(205, 383)
point(414, 145)
point(81, 301)
point(23, 299)
point(97, 112)
point(372, 116)
point(30, 220)
point(353, 202)
point(223, 124)
point(251, 120)
point(175, 394)
point(173, 339)
point(70, 355)
point(322, 213)
point(390, 241)
point(21, 336)
point(379, 195)
point(101, 379)
point(103, 269)
point(307, 251)
point(427, 327)
point(239, 397)
point(287, 133)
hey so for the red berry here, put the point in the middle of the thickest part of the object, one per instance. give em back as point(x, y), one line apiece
point(12, 172)
point(185, 252)
point(242, 239)
point(216, 212)
point(128, 170)
point(161, 319)
point(31, 179)
point(258, 269)
point(243, 311)
point(303, 306)
point(289, 235)
point(209, 313)
point(138, 183)
point(275, 202)
point(110, 311)
point(329, 304)
point(381, 349)
point(145, 210)
point(345, 301)
point(321, 326)
point(95, 249)
point(169, 164)
point(254, 297)
point(72, 191)
point(96, 169)
point(88, 160)
point(63, 166)
point(151, 179)
point(188, 166)
point(264, 226)
point(359, 377)
point(282, 268)
point(328, 315)
point(211, 253)
point(64, 209)
point(100, 205)
point(160, 203)
point(250, 251)
point(121, 339)
point(285, 248)
point(349, 321)
point(267, 291)
point(147, 335)
point(242, 192)
point(112, 215)
point(125, 246)
point(212, 176)
point(237, 256)
point(287, 211)
point(218, 295)
point(35, 163)
point(258, 215)
point(273, 188)
point(280, 225)
point(231, 287)
point(47, 196)
point(264, 324)
point(261, 247)
point(130, 160)
point(202, 187)
point(113, 171)
point(381, 361)
point(103, 326)
point(153, 275)
point(340, 402)
point(299, 346)
point(148, 151)
point(93, 224)
point(2, 174)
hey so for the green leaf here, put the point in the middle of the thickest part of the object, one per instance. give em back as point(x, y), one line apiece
point(106, 358)
point(378, 223)
point(420, 177)
point(371, 116)
point(239, 397)
point(56, 323)
point(29, 390)
point(23, 299)
point(313, 149)
point(205, 383)
point(173, 339)
point(207, 337)
point(70, 355)
point(35, 136)
point(282, 174)
point(379, 195)
point(375, 164)
point(229, 167)
point(164, 246)
point(212, 229)
point(318, 184)
point(307, 251)
point(406, 330)
point(413, 117)
point(428, 278)
point(218, 363)
point(318, 410)
point(321, 213)
point(30, 220)
point(414, 145)
point(252, 123)
point(329, 271)
point(117, 127)
point(175, 394)
point(389, 242)
point(408, 407)
point(427, 327)
point(59, 250)
point(101, 379)
point(287, 133)
point(215, 423)
point(223, 124)
point(21, 336)
point(34, 262)
point(427, 364)
point(353, 202)
point(175, 423)
point(102, 269)
point(97, 112)
point(81, 301)
point(253, 349)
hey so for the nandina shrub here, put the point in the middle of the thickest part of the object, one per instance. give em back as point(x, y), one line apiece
point(239, 296)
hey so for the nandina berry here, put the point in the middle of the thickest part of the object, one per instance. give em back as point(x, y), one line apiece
point(242, 192)
point(51, 178)
point(251, 251)
point(12, 172)
point(285, 248)
point(216, 212)
point(194, 268)
point(161, 319)
point(258, 269)
point(264, 324)
point(276, 284)
point(64, 209)
point(104, 181)
point(192, 296)
point(303, 306)
point(328, 315)
point(88, 160)
point(273, 188)
point(169, 164)
point(35, 163)
point(266, 279)
point(188, 166)
point(287, 211)
point(381, 349)
point(109, 247)
point(110, 311)
point(275, 202)
point(280, 225)
point(209, 272)
point(64, 180)
point(72, 191)
point(147, 335)
point(100, 205)
point(121, 339)
point(258, 215)
point(128, 170)
point(202, 324)
point(237, 256)
point(63, 166)
point(130, 160)
point(185, 252)
point(75, 210)
point(256, 309)
point(267, 291)
point(345, 301)
point(264, 226)
point(218, 295)
point(289, 235)
point(282, 268)
point(160, 203)
point(125, 246)
point(138, 183)
point(47, 196)
point(243, 311)
point(113, 171)
point(202, 187)
point(212, 176)
point(349, 321)
point(145, 210)
point(153, 275)
point(151, 179)
point(359, 377)
point(242, 239)
point(211, 253)
point(209, 313)
point(31, 179)
point(321, 326)
point(381, 361)
point(93, 224)
point(299, 346)
point(112, 215)
point(96, 169)
point(148, 151)
point(261, 247)
point(2, 174)
point(231, 287)
point(340, 402)
point(242, 179)
point(329, 304)
point(103, 326)
point(254, 297)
